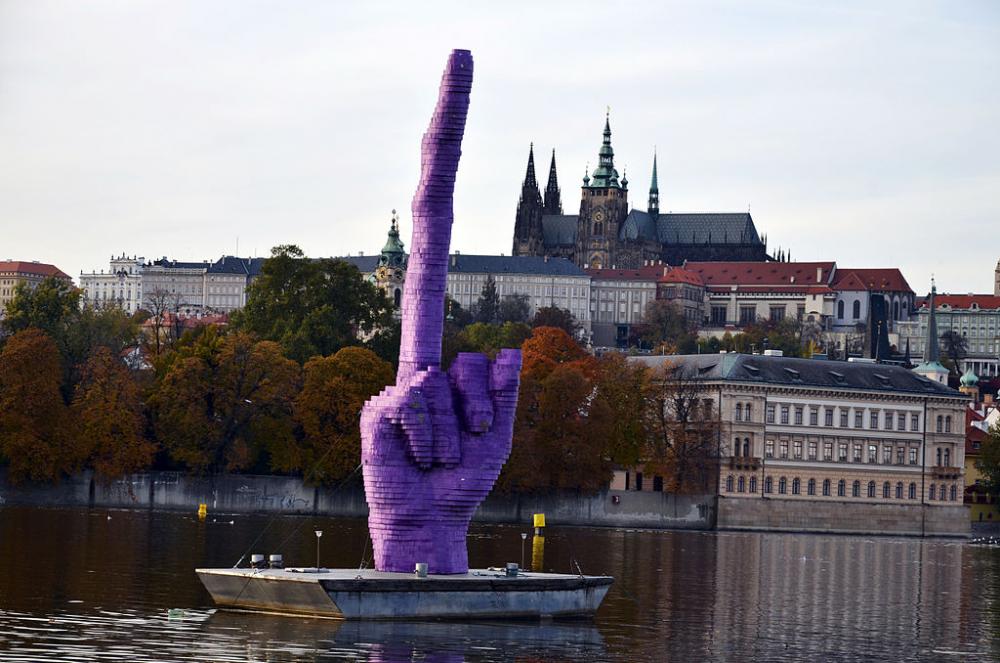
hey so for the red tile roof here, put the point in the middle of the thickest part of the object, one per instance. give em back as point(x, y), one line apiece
point(645, 273)
point(886, 279)
point(680, 275)
point(963, 301)
point(794, 275)
point(34, 268)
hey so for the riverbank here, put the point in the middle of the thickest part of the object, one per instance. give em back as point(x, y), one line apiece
point(240, 493)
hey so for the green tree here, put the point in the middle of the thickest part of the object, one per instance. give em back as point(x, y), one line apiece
point(988, 462)
point(514, 308)
point(312, 307)
point(34, 421)
point(487, 307)
point(486, 338)
point(108, 417)
point(956, 348)
point(223, 401)
point(333, 392)
point(664, 328)
point(553, 316)
point(53, 306)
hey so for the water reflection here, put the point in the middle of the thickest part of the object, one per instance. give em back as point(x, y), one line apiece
point(411, 641)
point(78, 586)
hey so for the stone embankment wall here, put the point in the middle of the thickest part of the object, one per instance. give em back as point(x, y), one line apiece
point(274, 494)
point(236, 493)
point(842, 517)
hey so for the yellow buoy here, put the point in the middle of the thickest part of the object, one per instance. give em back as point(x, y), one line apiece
point(202, 510)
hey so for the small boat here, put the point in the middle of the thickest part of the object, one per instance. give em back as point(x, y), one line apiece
point(368, 594)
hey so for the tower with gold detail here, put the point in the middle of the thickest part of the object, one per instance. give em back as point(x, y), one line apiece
point(391, 270)
point(603, 208)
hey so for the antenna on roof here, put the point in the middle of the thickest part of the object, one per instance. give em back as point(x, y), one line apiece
point(237, 245)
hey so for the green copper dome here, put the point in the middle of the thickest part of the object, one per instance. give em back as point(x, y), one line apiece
point(393, 254)
point(969, 379)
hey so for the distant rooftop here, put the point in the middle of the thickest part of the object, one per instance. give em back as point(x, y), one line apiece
point(476, 264)
point(793, 371)
point(33, 268)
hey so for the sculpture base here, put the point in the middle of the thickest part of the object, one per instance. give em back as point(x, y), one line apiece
point(369, 594)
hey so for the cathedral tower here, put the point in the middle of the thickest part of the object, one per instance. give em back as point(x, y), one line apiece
point(653, 208)
point(528, 223)
point(391, 271)
point(603, 208)
point(553, 201)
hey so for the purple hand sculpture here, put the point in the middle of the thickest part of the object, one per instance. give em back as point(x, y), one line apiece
point(432, 445)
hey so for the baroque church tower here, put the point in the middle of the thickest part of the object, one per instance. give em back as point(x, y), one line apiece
point(391, 271)
point(603, 208)
point(528, 223)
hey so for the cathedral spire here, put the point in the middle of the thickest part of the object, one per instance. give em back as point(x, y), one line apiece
point(553, 201)
point(654, 192)
point(606, 176)
point(529, 176)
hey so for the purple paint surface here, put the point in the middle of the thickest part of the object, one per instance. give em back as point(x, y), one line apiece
point(433, 444)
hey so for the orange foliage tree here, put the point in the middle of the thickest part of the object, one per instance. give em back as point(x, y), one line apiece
point(220, 403)
point(34, 421)
point(107, 412)
point(622, 390)
point(561, 428)
point(327, 409)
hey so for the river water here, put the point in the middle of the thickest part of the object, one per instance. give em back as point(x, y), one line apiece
point(115, 585)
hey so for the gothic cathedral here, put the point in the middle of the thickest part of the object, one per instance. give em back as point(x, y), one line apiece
point(607, 234)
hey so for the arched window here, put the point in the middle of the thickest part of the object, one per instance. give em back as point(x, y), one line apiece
point(811, 487)
point(746, 447)
point(796, 486)
point(782, 485)
point(895, 310)
point(856, 489)
point(739, 412)
point(768, 485)
point(913, 491)
point(886, 490)
point(947, 424)
point(940, 424)
point(736, 447)
point(841, 488)
point(856, 309)
point(397, 297)
point(931, 494)
point(741, 484)
point(899, 490)
point(947, 458)
point(753, 484)
point(954, 492)
point(729, 483)
point(944, 495)
point(826, 487)
point(840, 310)
point(939, 456)
point(598, 228)
point(871, 489)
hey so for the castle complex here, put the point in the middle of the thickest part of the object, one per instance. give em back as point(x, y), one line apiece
point(607, 233)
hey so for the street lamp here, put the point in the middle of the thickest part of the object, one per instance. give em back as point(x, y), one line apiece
point(319, 535)
point(524, 536)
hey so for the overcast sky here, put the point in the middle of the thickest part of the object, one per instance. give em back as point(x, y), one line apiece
point(866, 133)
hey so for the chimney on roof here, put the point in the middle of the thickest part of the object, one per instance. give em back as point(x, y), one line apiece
point(819, 275)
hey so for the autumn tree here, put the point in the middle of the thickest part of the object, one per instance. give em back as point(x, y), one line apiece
point(327, 411)
point(956, 348)
point(34, 424)
point(560, 430)
point(312, 307)
point(682, 432)
point(553, 316)
point(108, 417)
point(163, 321)
point(224, 401)
point(621, 389)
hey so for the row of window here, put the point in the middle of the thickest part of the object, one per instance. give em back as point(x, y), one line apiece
point(742, 484)
point(903, 454)
point(795, 415)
